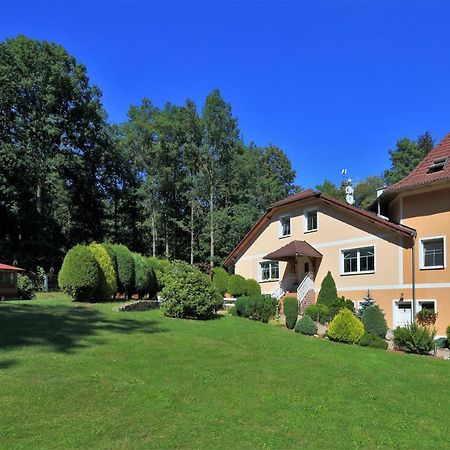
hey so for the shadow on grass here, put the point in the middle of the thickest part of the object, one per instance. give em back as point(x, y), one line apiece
point(60, 327)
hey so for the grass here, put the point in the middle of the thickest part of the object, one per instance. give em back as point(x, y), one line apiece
point(85, 376)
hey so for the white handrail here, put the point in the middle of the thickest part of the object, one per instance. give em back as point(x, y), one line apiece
point(283, 286)
point(304, 287)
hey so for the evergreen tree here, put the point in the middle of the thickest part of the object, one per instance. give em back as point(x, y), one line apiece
point(367, 301)
point(328, 292)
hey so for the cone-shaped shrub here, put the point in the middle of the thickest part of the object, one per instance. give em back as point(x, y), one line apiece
point(220, 279)
point(125, 268)
point(252, 288)
point(290, 306)
point(107, 285)
point(328, 291)
point(80, 274)
point(345, 327)
point(236, 285)
point(306, 326)
point(374, 321)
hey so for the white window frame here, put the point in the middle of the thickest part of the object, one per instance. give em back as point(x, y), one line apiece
point(358, 249)
point(281, 235)
point(305, 220)
point(270, 262)
point(422, 252)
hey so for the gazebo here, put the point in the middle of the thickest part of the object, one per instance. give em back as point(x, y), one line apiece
point(8, 280)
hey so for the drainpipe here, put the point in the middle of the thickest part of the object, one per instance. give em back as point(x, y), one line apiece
point(413, 274)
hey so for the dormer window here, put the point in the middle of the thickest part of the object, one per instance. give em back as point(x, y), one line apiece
point(285, 226)
point(438, 165)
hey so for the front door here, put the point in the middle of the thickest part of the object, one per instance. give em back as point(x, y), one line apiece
point(402, 314)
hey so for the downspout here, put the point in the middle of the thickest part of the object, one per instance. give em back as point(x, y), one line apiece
point(413, 276)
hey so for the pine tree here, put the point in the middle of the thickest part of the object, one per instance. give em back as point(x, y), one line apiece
point(367, 301)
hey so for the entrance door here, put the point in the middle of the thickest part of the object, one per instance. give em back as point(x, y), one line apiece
point(402, 314)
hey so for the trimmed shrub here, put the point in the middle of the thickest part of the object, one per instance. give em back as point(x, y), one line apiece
point(290, 306)
point(220, 279)
point(108, 280)
point(160, 267)
point(328, 291)
point(448, 334)
point(374, 321)
point(236, 285)
point(258, 307)
point(232, 311)
point(218, 300)
point(144, 277)
point(125, 269)
point(317, 312)
point(80, 274)
point(188, 293)
point(24, 287)
point(306, 326)
point(242, 306)
point(414, 339)
point(372, 340)
point(345, 327)
point(252, 288)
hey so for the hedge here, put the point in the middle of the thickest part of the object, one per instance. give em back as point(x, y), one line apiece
point(125, 269)
point(108, 280)
point(290, 306)
point(236, 285)
point(80, 274)
point(144, 276)
point(220, 279)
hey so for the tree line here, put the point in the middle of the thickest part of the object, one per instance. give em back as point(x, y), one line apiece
point(176, 181)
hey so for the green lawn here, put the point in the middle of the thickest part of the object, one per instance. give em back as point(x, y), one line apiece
point(85, 376)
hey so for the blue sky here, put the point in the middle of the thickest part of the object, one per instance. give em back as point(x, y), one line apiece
point(334, 84)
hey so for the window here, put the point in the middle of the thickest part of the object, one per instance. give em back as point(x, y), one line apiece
point(358, 260)
point(311, 220)
point(285, 226)
point(432, 256)
point(427, 304)
point(438, 165)
point(270, 270)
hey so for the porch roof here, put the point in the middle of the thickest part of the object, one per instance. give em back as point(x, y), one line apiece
point(7, 267)
point(293, 249)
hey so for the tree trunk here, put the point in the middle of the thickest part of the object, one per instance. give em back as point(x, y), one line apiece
point(211, 220)
point(153, 234)
point(192, 232)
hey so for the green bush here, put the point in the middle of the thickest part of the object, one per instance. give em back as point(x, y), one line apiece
point(80, 274)
point(414, 339)
point(160, 267)
point(108, 279)
point(372, 340)
point(345, 327)
point(328, 291)
point(218, 300)
point(220, 279)
point(374, 321)
point(144, 277)
point(232, 311)
point(252, 288)
point(290, 306)
point(125, 268)
point(441, 342)
point(24, 287)
point(339, 304)
point(188, 293)
point(236, 285)
point(306, 326)
point(242, 306)
point(317, 312)
point(257, 307)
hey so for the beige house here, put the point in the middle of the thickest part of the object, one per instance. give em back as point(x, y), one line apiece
point(398, 251)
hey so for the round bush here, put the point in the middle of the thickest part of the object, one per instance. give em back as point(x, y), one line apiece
point(80, 274)
point(236, 285)
point(374, 321)
point(108, 280)
point(24, 287)
point(252, 288)
point(318, 312)
point(290, 306)
point(242, 306)
point(372, 340)
point(220, 279)
point(306, 326)
point(160, 268)
point(125, 269)
point(188, 293)
point(345, 327)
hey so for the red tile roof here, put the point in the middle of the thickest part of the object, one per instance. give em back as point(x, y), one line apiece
point(294, 248)
point(420, 176)
point(307, 194)
point(6, 267)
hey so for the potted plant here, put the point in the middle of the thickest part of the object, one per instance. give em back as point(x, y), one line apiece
point(426, 317)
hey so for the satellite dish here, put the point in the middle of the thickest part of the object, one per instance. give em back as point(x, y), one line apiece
point(349, 190)
point(350, 199)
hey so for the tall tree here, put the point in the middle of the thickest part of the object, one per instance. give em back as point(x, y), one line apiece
point(329, 188)
point(366, 191)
